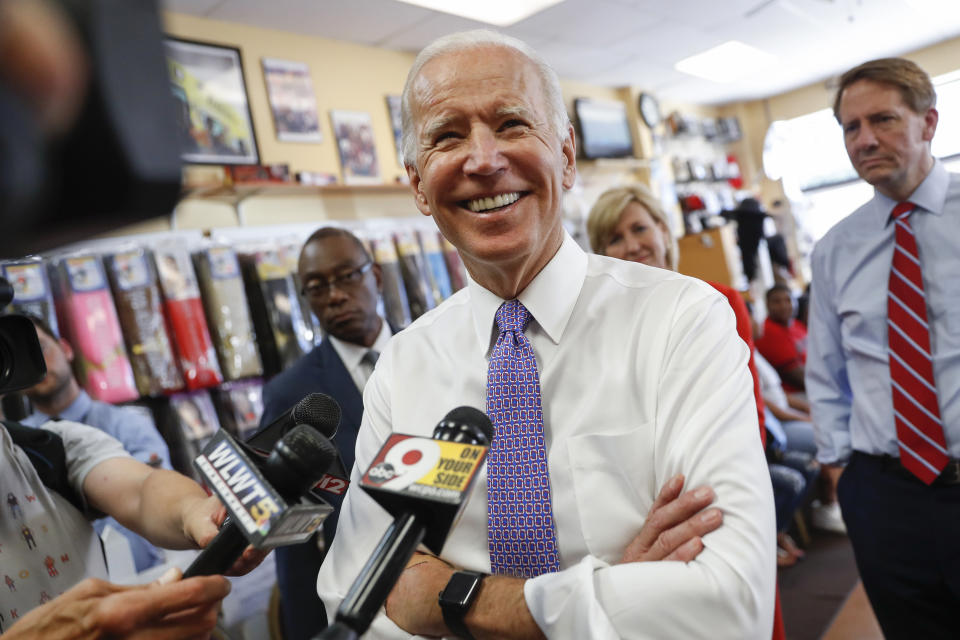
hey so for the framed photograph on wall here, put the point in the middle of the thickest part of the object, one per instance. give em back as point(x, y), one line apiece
point(212, 108)
point(393, 108)
point(292, 100)
point(358, 154)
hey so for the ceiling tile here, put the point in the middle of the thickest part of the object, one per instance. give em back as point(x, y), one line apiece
point(192, 7)
point(593, 23)
point(359, 21)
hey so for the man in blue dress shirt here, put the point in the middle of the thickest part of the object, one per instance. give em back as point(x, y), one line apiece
point(883, 373)
point(59, 397)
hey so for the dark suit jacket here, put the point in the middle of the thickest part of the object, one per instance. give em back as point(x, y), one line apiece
point(320, 371)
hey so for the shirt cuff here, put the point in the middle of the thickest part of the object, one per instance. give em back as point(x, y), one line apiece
point(565, 604)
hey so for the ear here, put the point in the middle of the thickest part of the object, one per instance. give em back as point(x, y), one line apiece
point(378, 276)
point(66, 348)
point(930, 120)
point(569, 150)
point(419, 197)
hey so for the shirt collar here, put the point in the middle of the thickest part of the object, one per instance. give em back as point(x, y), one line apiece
point(930, 196)
point(78, 409)
point(550, 296)
point(351, 354)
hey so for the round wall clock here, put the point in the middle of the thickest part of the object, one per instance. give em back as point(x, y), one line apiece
point(649, 110)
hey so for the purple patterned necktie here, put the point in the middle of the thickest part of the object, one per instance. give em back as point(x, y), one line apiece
point(520, 533)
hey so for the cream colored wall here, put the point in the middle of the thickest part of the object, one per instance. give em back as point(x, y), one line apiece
point(345, 76)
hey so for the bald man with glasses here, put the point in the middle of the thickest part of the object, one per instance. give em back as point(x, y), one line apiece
point(342, 285)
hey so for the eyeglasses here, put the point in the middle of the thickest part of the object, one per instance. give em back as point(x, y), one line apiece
point(319, 287)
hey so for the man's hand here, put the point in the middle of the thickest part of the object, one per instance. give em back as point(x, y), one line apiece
point(413, 602)
point(201, 522)
point(169, 609)
point(675, 524)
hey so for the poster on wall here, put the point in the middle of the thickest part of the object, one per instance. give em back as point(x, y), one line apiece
point(213, 114)
point(358, 155)
point(292, 100)
point(393, 107)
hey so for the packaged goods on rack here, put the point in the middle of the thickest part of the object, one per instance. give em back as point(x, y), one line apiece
point(88, 321)
point(136, 292)
point(225, 301)
point(437, 274)
point(458, 274)
point(413, 269)
point(184, 312)
point(194, 423)
point(239, 406)
point(306, 327)
point(31, 290)
point(394, 294)
point(273, 305)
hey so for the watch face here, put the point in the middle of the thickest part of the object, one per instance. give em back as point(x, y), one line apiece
point(461, 589)
point(649, 110)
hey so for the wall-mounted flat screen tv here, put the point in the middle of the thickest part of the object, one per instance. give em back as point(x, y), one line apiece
point(604, 129)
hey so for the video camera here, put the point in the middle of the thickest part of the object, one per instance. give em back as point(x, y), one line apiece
point(21, 359)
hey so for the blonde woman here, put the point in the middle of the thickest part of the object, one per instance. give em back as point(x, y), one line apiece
point(629, 223)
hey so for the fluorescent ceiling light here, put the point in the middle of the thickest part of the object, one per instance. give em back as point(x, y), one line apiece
point(501, 13)
point(726, 62)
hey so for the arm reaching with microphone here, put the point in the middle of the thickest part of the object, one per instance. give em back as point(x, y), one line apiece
point(166, 507)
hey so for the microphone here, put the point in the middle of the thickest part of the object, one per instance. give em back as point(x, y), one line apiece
point(317, 410)
point(424, 483)
point(294, 465)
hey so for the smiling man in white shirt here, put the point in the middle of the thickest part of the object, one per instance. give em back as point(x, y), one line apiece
point(640, 375)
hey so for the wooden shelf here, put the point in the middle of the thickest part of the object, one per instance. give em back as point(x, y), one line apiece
point(240, 192)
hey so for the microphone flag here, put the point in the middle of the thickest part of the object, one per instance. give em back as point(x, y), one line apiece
point(430, 478)
point(264, 517)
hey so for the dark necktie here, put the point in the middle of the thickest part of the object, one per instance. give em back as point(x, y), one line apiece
point(521, 534)
point(923, 449)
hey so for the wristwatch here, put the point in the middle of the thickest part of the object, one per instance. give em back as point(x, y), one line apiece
point(456, 598)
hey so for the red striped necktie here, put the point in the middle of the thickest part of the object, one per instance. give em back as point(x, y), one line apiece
point(923, 449)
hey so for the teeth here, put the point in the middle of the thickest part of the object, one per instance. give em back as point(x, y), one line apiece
point(484, 204)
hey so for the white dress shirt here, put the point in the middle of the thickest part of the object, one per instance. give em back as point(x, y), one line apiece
point(643, 376)
point(352, 354)
point(848, 370)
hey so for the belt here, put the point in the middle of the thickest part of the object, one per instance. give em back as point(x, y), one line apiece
point(891, 464)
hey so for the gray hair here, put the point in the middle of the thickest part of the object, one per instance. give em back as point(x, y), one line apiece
point(465, 40)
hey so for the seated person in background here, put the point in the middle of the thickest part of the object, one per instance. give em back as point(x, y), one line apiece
point(55, 478)
point(634, 386)
point(792, 478)
point(59, 397)
point(342, 285)
point(789, 423)
point(629, 223)
point(784, 340)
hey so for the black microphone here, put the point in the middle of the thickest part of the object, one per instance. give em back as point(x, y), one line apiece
point(424, 484)
point(294, 465)
point(317, 410)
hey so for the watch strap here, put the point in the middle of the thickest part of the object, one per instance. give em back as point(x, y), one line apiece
point(455, 612)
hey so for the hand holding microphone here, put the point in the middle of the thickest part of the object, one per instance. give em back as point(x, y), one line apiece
point(259, 495)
